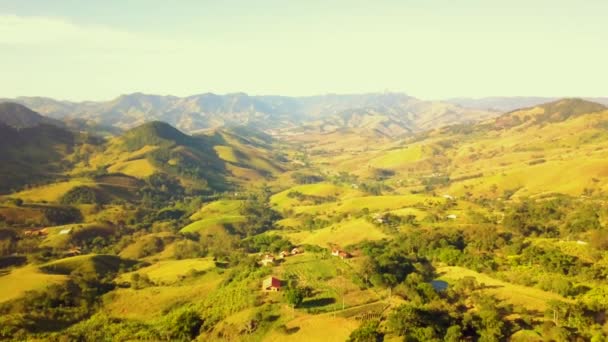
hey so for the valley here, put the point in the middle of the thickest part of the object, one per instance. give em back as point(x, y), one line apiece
point(241, 218)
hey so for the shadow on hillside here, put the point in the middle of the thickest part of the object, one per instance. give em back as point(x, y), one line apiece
point(313, 303)
point(292, 330)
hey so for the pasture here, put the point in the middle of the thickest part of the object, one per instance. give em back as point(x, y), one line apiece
point(18, 281)
point(530, 298)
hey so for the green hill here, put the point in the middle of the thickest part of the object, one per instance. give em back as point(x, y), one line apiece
point(215, 161)
point(156, 133)
point(34, 154)
point(94, 265)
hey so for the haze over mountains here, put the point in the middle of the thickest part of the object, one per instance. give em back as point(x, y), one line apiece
point(507, 104)
point(391, 113)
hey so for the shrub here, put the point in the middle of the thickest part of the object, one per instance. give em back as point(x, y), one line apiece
point(80, 195)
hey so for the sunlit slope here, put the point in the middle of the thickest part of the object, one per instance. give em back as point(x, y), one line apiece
point(210, 161)
point(559, 147)
point(544, 154)
point(18, 281)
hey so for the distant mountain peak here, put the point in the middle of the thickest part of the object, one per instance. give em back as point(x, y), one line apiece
point(19, 116)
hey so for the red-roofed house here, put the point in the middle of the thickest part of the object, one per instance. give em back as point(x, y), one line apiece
point(271, 284)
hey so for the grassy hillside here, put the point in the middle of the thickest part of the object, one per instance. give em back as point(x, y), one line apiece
point(96, 265)
point(28, 278)
point(491, 231)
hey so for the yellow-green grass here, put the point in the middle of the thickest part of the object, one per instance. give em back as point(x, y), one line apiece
point(168, 252)
point(574, 145)
point(152, 302)
point(170, 271)
point(138, 248)
point(398, 158)
point(372, 203)
point(111, 213)
point(289, 222)
point(531, 298)
point(248, 156)
point(139, 168)
point(315, 328)
point(52, 192)
point(526, 336)
point(331, 278)
point(116, 153)
point(580, 250)
point(244, 176)
point(282, 200)
point(342, 234)
point(200, 225)
point(226, 153)
point(420, 214)
point(29, 278)
point(221, 207)
point(91, 264)
point(56, 240)
point(548, 177)
point(86, 231)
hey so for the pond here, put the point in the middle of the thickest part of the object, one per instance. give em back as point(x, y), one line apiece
point(439, 285)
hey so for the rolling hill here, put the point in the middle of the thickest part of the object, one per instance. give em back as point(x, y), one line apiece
point(557, 147)
point(217, 160)
point(463, 206)
point(35, 149)
point(34, 154)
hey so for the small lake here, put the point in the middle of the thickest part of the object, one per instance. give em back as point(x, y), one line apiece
point(439, 285)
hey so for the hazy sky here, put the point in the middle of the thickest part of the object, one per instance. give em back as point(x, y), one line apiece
point(428, 48)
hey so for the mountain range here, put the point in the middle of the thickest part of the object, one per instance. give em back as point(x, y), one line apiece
point(390, 113)
point(153, 214)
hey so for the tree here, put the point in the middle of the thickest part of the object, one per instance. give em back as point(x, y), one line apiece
point(453, 334)
point(581, 220)
point(403, 319)
point(80, 195)
point(295, 296)
point(185, 325)
point(367, 332)
point(259, 213)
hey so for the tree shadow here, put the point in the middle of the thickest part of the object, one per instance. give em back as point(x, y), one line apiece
point(272, 318)
point(313, 303)
point(292, 330)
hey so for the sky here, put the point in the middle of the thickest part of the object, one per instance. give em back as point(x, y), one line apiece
point(432, 49)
